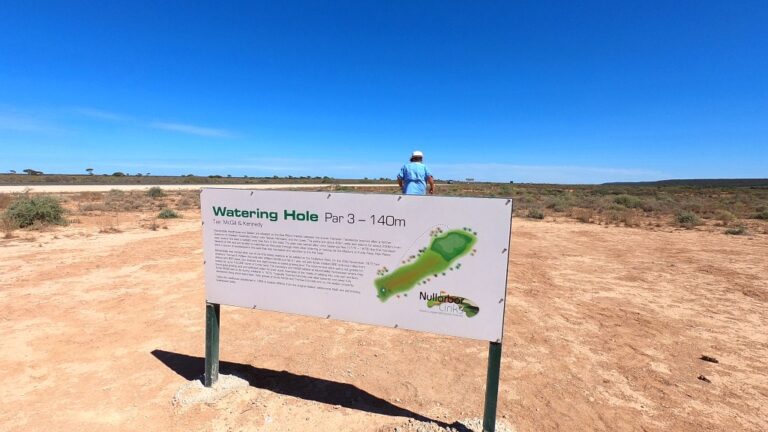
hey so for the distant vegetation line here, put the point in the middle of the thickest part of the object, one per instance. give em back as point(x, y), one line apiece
point(698, 183)
point(124, 179)
point(120, 178)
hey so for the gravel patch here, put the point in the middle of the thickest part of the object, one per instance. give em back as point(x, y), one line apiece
point(466, 425)
point(193, 392)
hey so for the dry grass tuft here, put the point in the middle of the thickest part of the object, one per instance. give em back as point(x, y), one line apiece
point(5, 200)
point(583, 215)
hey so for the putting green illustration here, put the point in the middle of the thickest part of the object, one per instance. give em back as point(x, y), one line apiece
point(445, 249)
point(466, 305)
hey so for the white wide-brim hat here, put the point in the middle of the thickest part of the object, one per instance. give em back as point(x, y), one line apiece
point(417, 153)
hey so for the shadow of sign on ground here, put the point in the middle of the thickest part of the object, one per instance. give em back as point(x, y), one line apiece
point(300, 386)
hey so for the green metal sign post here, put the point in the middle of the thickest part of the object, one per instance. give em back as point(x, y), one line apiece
point(492, 387)
point(212, 322)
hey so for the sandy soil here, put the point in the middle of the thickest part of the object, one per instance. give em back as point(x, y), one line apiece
point(604, 330)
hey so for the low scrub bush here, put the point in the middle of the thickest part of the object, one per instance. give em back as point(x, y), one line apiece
point(630, 218)
point(5, 200)
point(91, 207)
point(115, 194)
point(535, 214)
point(155, 192)
point(28, 210)
point(687, 219)
point(168, 214)
point(628, 201)
point(739, 230)
point(87, 196)
point(583, 215)
point(724, 216)
point(7, 226)
point(558, 204)
point(762, 215)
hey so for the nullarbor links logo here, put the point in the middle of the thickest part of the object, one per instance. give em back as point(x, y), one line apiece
point(449, 304)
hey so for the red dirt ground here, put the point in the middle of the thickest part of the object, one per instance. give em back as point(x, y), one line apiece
point(604, 330)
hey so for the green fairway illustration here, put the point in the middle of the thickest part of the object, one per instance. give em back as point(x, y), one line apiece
point(444, 250)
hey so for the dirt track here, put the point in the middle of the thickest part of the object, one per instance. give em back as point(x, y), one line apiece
point(604, 331)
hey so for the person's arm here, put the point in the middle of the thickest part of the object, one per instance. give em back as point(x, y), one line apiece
point(400, 183)
point(431, 182)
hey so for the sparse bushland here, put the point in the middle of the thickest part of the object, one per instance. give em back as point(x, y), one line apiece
point(651, 207)
point(625, 205)
point(31, 210)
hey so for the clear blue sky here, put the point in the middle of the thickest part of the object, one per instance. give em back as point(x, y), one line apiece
point(538, 91)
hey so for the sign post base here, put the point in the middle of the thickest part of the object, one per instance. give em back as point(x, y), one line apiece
point(212, 322)
point(492, 387)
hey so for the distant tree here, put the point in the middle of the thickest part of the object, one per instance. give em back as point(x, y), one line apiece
point(229, 175)
point(139, 174)
point(118, 174)
point(147, 174)
point(90, 171)
point(30, 171)
point(13, 171)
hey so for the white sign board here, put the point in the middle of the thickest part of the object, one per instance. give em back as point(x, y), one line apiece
point(434, 264)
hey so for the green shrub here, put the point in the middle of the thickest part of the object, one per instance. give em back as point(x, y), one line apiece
point(27, 210)
point(168, 214)
point(155, 192)
point(558, 204)
point(724, 216)
point(762, 215)
point(535, 214)
point(687, 219)
point(628, 201)
point(739, 230)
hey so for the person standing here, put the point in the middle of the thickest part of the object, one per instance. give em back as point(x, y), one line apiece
point(414, 177)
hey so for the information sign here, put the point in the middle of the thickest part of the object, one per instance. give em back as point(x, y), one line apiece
point(427, 263)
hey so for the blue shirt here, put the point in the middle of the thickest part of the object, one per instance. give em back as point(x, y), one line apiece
point(414, 176)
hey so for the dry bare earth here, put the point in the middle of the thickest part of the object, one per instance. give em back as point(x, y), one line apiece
point(604, 331)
